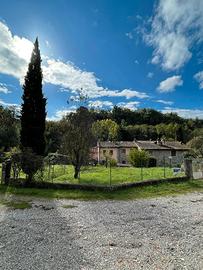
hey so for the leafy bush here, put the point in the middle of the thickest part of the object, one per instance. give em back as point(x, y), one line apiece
point(30, 163)
point(2, 157)
point(196, 145)
point(113, 162)
point(55, 158)
point(16, 158)
point(138, 158)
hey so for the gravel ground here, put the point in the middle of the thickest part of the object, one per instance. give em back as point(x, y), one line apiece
point(163, 233)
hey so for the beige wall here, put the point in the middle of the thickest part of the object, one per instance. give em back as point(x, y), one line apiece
point(118, 154)
point(160, 155)
point(102, 156)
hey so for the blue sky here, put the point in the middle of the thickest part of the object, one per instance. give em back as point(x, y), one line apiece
point(133, 54)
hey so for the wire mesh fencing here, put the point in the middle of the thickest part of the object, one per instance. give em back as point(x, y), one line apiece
point(105, 174)
point(108, 174)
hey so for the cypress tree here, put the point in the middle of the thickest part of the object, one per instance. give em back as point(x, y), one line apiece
point(33, 111)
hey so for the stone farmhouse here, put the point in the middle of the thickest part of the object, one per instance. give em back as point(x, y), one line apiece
point(168, 152)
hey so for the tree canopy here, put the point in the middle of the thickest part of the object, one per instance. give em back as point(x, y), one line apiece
point(77, 138)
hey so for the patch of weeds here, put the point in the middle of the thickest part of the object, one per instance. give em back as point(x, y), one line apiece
point(69, 206)
point(16, 205)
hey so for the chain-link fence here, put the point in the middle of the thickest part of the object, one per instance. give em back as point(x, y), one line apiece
point(55, 171)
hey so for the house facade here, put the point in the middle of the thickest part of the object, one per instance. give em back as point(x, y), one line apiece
point(165, 152)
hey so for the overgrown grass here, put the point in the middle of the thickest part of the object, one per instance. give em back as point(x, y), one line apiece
point(162, 189)
point(16, 204)
point(101, 175)
point(68, 206)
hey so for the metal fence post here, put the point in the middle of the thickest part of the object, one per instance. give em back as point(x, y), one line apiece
point(164, 167)
point(109, 172)
point(141, 171)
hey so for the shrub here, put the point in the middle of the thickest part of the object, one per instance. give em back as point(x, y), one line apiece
point(16, 158)
point(113, 162)
point(30, 163)
point(55, 158)
point(2, 157)
point(138, 158)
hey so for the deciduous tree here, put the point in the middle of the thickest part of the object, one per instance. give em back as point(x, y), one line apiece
point(77, 138)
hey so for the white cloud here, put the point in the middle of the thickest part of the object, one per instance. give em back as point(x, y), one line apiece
point(71, 77)
point(128, 93)
point(129, 35)
point(59, 114)
point(185, 113)
point(76, 80)
point(175, 28)
point(100, 104)
point(150, 75)
point(15, 53)
point(170, 84)
point(165, 102)
point(4, 89)
point(6, 104)
point(132, 105)
point(199, 77)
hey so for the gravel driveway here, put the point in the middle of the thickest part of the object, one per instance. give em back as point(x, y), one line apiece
point(163, 233)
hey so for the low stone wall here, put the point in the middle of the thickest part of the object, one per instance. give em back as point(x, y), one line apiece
point(65, 186)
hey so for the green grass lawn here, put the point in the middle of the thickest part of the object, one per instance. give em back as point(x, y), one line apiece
point(101, 175)
point(162, 189)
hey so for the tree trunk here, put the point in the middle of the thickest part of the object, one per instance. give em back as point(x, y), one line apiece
point(29, 179)
point(77, 171)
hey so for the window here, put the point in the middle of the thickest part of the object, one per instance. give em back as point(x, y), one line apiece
point(123, 151)
point(123, 162)
point(173, 153)
point(111, 152)
point(104, 152)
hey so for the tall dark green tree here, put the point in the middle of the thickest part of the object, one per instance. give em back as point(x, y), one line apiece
point(33, 112)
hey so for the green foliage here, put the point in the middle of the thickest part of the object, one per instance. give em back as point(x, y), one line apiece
point(16, 204)
point(106, 130)
point(33, 107)
point(113, 162)
point(53, 136)
point(146, 124)
point(68, 206)
point(100, 174)
point(138, 158)
point(196, 144)
point(77, 138)
point(9, 128)
point(152, 191)
point(30, 163)
point(55, 158)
